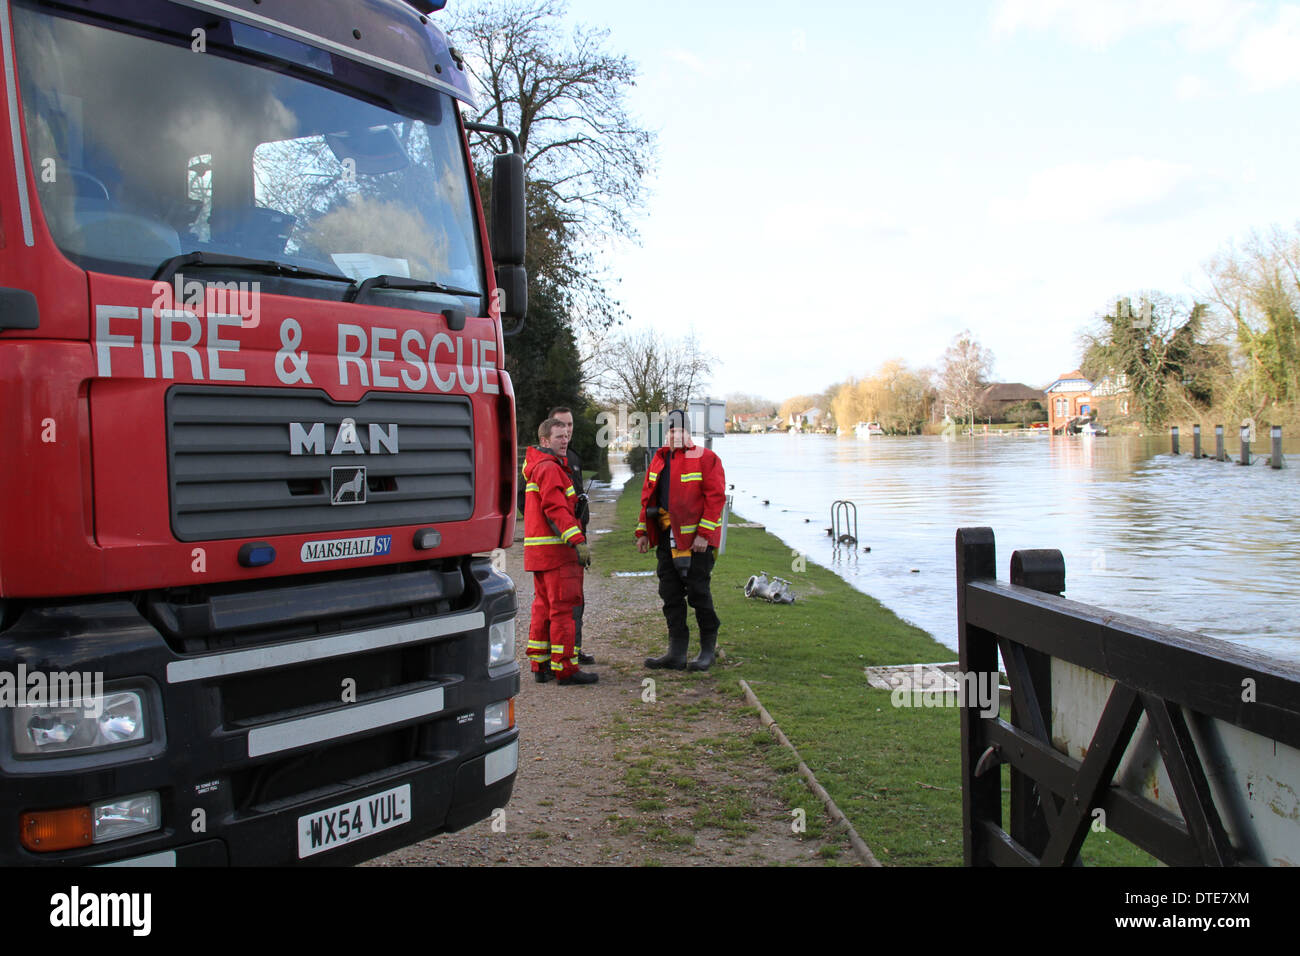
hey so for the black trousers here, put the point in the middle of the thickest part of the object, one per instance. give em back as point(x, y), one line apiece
point(694, 590)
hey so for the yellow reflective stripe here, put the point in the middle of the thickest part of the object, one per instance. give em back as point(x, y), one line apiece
point(687, 528)
point(640, 526)
point(654, 476)
point(686, 478)
point(570, 533)
point(552, 540)
point(710, 525)
point(569, 492)
point(532, 486)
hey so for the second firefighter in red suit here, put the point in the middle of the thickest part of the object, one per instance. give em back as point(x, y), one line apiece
point(556, 551)
point(681, 515)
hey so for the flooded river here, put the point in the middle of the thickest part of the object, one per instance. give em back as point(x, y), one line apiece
point(1200, 545)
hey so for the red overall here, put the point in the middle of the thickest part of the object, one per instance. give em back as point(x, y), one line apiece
point(551, 531)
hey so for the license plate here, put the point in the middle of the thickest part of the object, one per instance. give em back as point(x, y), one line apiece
point(349, 822)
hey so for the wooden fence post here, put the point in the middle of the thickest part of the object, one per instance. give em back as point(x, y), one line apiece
point(981, 798)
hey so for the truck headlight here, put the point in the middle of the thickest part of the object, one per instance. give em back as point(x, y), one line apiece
point(125, 816)
point(95, 723)
point(501, 642)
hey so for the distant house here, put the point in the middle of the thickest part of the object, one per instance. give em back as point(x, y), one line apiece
point(756, 424)
point(1070, 396)
point(996, 399)
point(811, 418)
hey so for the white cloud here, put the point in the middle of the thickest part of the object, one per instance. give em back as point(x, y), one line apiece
point(1262, 41)
point(1077, 193)
point(1190, 87)
point(1269, 56)
point(1201, 24)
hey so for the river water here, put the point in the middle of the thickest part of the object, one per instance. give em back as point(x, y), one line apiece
point(1202, 545)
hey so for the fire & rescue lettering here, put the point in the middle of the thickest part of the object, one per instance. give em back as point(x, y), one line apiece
point(178, 344)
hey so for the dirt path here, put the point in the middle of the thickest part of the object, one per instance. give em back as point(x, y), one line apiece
point(623, 773)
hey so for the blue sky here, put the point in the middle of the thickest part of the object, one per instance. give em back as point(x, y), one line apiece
point(839, 184)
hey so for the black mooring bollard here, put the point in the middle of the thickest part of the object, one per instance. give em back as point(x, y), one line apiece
point(1173, 439)
point(1196, 442)
point(1245, 445)
point(1276, 460)
point(1218, 444)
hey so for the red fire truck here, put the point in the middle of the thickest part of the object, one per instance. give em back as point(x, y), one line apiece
point(250, 370)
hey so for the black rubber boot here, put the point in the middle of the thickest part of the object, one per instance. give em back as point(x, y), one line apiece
point(583, 657)
point(675, 659)
point(708, 647)
point(577, 677)
point(543, 674)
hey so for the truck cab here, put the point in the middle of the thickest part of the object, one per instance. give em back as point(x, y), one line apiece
point(250, 353)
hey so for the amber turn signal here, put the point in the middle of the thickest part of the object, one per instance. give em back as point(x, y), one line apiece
point(48, 830)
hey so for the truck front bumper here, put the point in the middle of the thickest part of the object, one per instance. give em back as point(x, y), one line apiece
point(323, 749)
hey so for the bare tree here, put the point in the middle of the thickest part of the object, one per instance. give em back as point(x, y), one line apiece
point(586, 157)
point(742, 403)
point(650, 374)
point(963, 373)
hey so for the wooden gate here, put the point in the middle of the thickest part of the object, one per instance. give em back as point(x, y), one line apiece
point(1187, 746)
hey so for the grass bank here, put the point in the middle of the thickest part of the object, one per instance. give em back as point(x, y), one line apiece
point(895, 772)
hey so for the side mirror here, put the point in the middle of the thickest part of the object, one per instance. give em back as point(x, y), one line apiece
point(509, 219)
point(509, 228)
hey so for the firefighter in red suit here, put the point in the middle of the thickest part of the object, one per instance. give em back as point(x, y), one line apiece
point(681, 514)
point(556, 552)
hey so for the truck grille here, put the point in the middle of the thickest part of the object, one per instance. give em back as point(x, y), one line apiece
point(231, 474)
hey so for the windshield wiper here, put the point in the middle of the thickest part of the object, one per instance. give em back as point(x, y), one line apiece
point(169, 267)
point(403, 283)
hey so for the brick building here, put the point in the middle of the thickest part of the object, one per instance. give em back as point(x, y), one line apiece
point(1070, 396)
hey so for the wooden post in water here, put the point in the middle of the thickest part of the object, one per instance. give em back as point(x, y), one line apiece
point(1173, 439)
point(1276, 460)
point(1218, 444)
point(1245, 445)
point(1196, 442)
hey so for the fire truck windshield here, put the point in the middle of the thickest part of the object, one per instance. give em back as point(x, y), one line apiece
point(146, 147)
